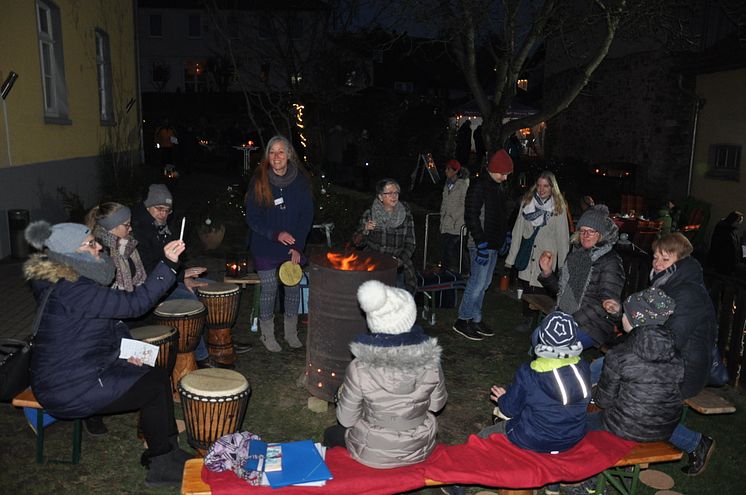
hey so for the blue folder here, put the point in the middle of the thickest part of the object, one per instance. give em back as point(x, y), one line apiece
point(301, 463)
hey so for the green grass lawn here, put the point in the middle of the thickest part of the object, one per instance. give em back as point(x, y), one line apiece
point(277, 411)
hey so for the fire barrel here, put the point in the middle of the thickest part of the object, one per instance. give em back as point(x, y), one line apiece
point(334, 316)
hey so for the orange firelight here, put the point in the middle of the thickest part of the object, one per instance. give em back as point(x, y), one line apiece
point(351, 261)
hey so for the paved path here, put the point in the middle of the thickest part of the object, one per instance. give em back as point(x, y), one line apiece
point(17, 304)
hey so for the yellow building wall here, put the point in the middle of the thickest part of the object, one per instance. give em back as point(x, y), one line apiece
point(721, 121)
point(32, 140)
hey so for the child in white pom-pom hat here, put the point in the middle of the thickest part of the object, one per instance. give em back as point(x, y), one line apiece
point(393, 386)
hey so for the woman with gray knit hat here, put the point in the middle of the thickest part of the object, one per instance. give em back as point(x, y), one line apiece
point(76, 371)
point(591, 279)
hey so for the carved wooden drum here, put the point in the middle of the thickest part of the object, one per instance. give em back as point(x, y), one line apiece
point(221, 301)
point(214, 402)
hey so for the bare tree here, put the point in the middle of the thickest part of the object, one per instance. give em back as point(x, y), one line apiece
point(494, 44)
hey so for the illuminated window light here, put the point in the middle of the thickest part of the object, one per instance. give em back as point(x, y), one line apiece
point(523, 84)
point(321, 385)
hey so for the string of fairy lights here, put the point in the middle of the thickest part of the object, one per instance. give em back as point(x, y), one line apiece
point(299, 124)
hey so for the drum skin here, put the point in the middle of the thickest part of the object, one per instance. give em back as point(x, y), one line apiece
point(214, 404)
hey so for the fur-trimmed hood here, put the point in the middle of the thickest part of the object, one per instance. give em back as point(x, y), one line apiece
point(40, 267)
point(404, 357)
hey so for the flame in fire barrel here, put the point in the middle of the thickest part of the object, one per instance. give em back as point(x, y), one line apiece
point(334, 316)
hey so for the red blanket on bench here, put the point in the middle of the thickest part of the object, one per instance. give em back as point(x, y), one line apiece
point(493, 462)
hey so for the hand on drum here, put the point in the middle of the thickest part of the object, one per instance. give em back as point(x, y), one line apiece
point(191, 284)
point(173, 249)
point(194, 272)
point(294, 256)
point(286, 238)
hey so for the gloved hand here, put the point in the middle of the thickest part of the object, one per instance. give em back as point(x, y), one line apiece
point(483, 255)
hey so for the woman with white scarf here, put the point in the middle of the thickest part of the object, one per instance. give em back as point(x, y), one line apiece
point(543, 215)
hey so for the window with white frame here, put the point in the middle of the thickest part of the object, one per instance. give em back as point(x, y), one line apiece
point(724, 162)
point(52, 63)
point(103, 73)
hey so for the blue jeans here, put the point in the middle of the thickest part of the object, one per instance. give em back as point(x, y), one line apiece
point(597, 366)
point(479, 281)
point(685, 439)
point(181, 292)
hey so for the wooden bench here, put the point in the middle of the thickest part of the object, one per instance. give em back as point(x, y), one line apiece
point(27, 399)
point(708, 402)
point(640, 457)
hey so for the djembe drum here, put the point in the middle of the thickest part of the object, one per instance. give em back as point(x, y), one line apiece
point(165, 338)
point(188, 317)
point(214, 403)
point(221, 301)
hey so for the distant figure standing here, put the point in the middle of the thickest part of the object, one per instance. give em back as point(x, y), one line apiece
point(165, 141)
point(335, 148)
point(452, 214)
point(479, 148)
point(725, 248)
point(463, 143)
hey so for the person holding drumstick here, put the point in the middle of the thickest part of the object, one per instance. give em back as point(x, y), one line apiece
point(152, 231)
point(279, 212)
point(76, 371)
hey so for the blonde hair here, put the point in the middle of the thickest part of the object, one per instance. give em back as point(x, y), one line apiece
point(557, 197)
point(262, 189)
point(101, 211)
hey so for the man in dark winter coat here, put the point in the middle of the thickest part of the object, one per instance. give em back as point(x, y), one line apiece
point(485, 215)
point(639, 386)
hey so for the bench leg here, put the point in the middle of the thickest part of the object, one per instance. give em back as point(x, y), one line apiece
point(77, 434)
point(616, 477)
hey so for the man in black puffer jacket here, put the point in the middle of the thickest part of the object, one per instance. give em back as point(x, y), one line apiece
point(485, 215)
point(639, 386)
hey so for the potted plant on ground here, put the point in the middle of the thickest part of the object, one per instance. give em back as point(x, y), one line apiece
point(211, 224)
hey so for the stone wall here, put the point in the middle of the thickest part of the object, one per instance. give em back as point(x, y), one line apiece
point(633, 110)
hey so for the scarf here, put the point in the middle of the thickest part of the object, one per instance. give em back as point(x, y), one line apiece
point(121, 251)
point(659, 279)
point(99, 270)
point(575, 276)
point(283, 180)
point(162, 231)
point(537, 211)
point(385, 220)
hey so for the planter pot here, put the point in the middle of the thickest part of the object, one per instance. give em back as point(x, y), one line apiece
point(211, 239)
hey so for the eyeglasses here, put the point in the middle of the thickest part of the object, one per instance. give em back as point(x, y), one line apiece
point(127, 224)
point(91, 244)
point(391, 193)
point(588, 232)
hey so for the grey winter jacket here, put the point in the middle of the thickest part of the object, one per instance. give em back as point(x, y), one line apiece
point(452, 207)
point(387, 402)
point(639, 386)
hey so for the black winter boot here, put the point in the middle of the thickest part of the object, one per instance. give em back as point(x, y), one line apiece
point(179, 454)
point(700, 457)
point(165, 469)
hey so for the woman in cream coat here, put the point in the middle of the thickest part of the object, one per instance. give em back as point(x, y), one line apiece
point(544, 208)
